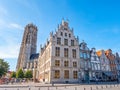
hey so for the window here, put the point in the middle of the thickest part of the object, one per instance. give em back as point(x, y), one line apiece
point(74, 64)
point(96, 66)
point(81, 47)
point(66, 74)
point(65, 28)
point(81, 64)
point(57, 62)
point(92, 58)
point(95, 58)
point(85, 56)
point(85, 65)
point(92, 66)
point(74, 53)
point(66, 34)
point(89, 64)
point(57, 51)
point(86, 48)
point(66, 63)
point(65, 52)
point(75, 74)
point(88, 55)
point(28, 38)
point(72, 42)
point(69, 35)
point(65, 41)
point(61, 33)
point(57, 74)
point(59, 41)
point(81, 54)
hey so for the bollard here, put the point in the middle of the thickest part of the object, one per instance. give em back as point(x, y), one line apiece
point(18, 89)
point(90, 88)
point(106, 86)
point(65, 86)
point(29, 88)
point(56, 87)
point(84, 88)
point(97, 87)
point(101, 87)
point(75, 88)
point(48, 88)
point(39, 88)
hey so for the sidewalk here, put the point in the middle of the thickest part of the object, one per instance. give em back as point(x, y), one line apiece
point(41, 86)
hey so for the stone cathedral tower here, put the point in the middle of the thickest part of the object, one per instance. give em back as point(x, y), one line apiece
point(28, 46)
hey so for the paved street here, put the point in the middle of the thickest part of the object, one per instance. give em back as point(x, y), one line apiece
point(33, 86)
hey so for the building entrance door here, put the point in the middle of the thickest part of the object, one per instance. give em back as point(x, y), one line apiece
point(86, 76)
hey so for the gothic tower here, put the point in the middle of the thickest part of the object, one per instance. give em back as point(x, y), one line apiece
point(28, 46)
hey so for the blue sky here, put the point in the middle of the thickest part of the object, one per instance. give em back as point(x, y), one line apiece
point(97, 22)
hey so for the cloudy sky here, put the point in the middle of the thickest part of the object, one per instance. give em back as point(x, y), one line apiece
point(97, 22)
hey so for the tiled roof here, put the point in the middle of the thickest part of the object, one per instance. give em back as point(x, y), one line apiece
point(99, 53)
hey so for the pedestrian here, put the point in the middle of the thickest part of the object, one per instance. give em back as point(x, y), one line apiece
point(52, 83)
point(96, 81)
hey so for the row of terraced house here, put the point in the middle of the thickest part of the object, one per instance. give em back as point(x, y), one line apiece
point(64, 59)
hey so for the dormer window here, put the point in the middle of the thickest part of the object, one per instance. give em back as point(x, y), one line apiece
point(66, 34)
point(65, 28)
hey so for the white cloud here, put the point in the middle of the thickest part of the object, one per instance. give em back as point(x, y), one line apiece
point(9, 51)
point(16, 26)
point(7, 24)
point(9, 44)
point(4, 24)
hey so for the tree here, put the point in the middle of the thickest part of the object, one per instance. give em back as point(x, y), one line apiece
point(28, 74)
point(20, 74)
point(4, 67)
point(13, 75)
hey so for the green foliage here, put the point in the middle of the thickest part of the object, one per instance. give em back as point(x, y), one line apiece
point(28, 74)
point(13, 75)
point(4, 67)
point(20, 73)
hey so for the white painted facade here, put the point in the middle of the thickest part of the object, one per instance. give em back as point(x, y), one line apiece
point(105, 66)
point(85, 65)
point(95, 65)
point(117, 61)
